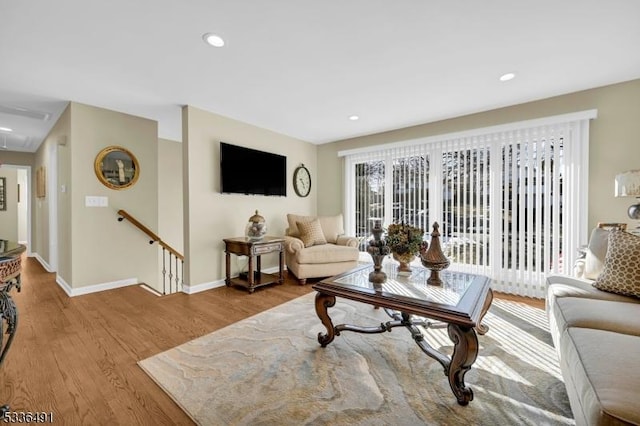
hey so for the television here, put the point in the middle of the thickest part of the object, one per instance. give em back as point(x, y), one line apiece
point(250, 171)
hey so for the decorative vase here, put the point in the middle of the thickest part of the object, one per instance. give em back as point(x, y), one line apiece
point(404, 259)
point(256, 228)
point(378, 249)
point(434, 259)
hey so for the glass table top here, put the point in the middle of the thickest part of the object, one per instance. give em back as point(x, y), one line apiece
point(10, 248)
point(414, 286)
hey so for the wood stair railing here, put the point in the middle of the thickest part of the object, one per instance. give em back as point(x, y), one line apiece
point(175, 258)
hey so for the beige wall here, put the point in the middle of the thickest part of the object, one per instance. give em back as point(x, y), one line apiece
point(9, 217)
point(62, 131)
point(90, 239)
point(170, 208)
point(211, 216)
point(103, 249)
point(26, 159)
point(17, 158)
point(40, 237)
point(614, 144)
point(41, 227)
point(23, 197)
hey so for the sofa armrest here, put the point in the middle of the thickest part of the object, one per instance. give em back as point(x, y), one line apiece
point(566, 279)
point(293, 244)
point(578, 268)
point(347, 241)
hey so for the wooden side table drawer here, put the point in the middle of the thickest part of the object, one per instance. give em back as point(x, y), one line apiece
point(266, 248)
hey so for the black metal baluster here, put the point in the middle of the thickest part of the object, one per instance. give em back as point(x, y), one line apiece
point(182, 277)
point(170, 272)
point(177, 282)
point(164, 272)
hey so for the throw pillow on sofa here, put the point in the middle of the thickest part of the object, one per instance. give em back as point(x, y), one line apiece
point(311, 233)
point(621, 272)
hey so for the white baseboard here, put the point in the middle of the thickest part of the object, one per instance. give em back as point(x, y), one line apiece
point(202, 287)
point(71, 292)
point(63, 284)
point(272, 270)
point(103, 286)
point(44, 264)
point(219, 283)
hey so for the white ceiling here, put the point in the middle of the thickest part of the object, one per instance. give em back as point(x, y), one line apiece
point(302, 67)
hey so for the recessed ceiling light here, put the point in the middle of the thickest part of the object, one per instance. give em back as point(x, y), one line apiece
point(354, 117)
point(6, 129)
point(508, 76)
point(213, 40)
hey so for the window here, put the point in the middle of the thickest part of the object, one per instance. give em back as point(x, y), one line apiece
point(503, 196)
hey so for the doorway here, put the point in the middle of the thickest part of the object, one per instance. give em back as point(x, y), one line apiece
point(15, 219)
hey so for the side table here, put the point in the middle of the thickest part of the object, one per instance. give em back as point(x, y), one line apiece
point(241, 246)
point(10, 270)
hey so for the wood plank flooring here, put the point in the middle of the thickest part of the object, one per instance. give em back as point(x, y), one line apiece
point(76, 357)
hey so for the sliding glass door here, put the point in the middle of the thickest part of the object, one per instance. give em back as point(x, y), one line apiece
point(501, 198)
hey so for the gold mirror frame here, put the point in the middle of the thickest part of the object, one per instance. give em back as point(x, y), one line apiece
point(116, 167)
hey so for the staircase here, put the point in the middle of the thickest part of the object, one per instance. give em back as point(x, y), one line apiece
point(172, 260)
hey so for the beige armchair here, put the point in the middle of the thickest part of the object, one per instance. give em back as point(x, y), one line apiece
point(315, 247)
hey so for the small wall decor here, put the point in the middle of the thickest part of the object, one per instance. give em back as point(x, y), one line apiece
point(3, 193)
point(41, 182)
point(116, 167)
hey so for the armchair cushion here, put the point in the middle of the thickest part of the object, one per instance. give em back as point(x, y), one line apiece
point(332, 226)
point(311, 233)
point(326, 254)
point(621, 272)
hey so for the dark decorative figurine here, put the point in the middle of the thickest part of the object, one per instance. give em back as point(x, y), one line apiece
point(378, 249)
point(433, 258)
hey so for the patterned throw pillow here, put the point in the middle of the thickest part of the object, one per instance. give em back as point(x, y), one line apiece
point(311, 233)
point(621, 273)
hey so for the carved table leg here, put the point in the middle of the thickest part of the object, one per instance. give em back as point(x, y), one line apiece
point(465, 352)
point(481, 328)
point(227, 265)
point(324, 301)
point(8, 314)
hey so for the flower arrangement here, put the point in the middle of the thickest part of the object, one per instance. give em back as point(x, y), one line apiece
point(402, 238)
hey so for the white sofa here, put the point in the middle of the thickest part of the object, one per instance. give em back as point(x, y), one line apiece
point(597, 335)
point(329, 254)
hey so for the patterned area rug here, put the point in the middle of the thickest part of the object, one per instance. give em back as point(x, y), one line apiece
point(270, 370)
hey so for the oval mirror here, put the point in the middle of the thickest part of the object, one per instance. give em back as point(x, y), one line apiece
point(116, 167)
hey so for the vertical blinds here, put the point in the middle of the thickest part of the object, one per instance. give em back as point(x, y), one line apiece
point(511, 203)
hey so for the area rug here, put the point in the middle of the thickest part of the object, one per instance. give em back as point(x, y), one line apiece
point(270, 370)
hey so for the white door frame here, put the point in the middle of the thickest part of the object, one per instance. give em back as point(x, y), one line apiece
point(28, 191)
point(52, 177)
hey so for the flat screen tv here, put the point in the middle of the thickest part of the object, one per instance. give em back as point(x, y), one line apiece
point(249, 171)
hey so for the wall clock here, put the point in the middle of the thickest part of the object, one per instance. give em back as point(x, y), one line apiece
point(302, 181)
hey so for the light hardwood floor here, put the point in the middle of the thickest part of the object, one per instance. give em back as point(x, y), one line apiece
point(76, 357)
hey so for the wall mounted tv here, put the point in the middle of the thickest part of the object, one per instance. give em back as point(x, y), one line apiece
point(249, 171)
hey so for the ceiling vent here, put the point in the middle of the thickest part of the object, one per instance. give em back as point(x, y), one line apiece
point(24, 112)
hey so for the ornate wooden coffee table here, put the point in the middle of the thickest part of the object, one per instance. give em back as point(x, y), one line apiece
point(459, 305)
